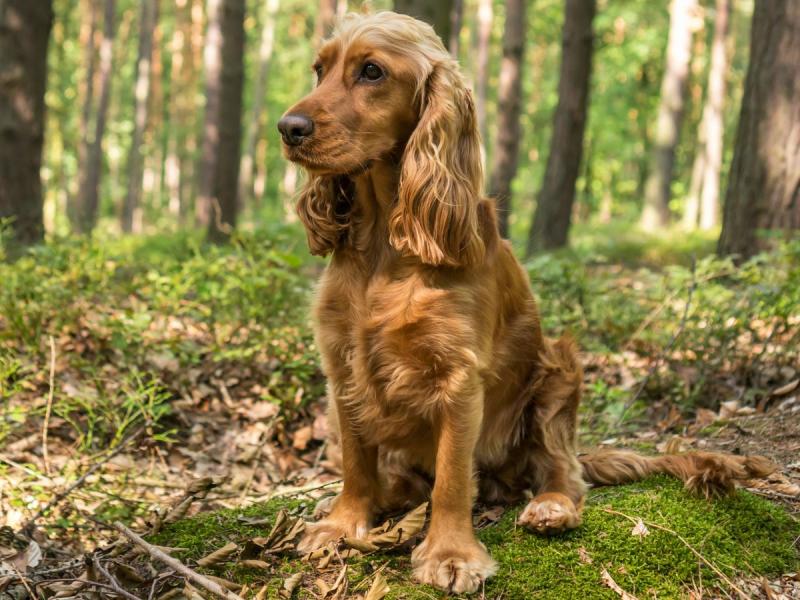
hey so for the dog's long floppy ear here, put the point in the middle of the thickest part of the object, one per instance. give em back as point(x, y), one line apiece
point(324, 208)
point(436, 216)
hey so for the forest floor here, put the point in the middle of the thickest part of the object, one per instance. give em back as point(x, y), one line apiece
point(146, 380)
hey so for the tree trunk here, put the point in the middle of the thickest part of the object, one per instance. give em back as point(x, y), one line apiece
point(551, 220)
point(24, 34)
point(456, 22)
point(506, 151)
point(713, 117)
point(436, 13)
point(674, 87)
point(485, 17)
point(246, 192)
point(326, 19)
point(131, 209)
point(225, 205)
point(209, 147)
point(88, 37)
point(90, 185)
point(764, 183)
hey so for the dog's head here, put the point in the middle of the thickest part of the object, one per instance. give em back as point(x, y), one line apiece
point(388, 90)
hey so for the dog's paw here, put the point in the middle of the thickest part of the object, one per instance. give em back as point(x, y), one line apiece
point(550, 513)
point(321, 533)
point(454, 568)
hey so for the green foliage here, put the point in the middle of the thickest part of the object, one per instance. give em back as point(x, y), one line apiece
point(741, 535)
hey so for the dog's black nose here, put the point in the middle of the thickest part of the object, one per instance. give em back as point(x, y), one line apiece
point(295, 128)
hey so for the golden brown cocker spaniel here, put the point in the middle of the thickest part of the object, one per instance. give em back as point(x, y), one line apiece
point(441, 382)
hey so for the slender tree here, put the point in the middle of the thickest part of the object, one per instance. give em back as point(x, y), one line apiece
point(436, 13)
point(88, 37)
point(703, 200)
point(326, 19)
point(224, 207)
point(90, 184)
point(246, 191)
point(131, 210)
point(24, 35)
point(554, 208)
point(456, 23)
point(506, 150)
point(209, 152)
point(485, 18)
point(764, 184)
point(674, 88)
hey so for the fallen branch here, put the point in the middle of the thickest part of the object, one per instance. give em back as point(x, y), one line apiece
point(114, 583)
point(49, 409)
point(704, 560)
point(177, 565)
point(608, 580)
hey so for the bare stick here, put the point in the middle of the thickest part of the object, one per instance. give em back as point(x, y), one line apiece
point(46, 424)
point(78, 482)
point(177, 565)
point(705, 561)
point(114, 583)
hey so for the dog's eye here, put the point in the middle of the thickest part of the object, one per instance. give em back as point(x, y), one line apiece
point(318, 71)
point(371, 72)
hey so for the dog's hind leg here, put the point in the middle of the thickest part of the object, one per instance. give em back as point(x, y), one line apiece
point(554, 473)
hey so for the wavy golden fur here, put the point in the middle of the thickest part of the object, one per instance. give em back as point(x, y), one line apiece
point(440, 380)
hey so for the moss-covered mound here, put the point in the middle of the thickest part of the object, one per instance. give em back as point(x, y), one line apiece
point(741, 535)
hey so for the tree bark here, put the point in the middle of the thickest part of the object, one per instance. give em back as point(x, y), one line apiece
point(326, 19)
point(209, 147)
point(131, 209)
point(764, 184)
point(225, 206)
point(90, 185)
point(485, 17)
point(246, 192)
point(674, 88)
point(506, 151)
point(24, 35)
point(456, 22)
point(437, 13)
point(88, 37)
point(713, 117)
point(551, 220)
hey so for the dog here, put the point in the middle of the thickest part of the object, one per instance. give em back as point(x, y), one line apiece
point(441, 382)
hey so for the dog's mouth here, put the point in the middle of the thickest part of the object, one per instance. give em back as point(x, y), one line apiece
point(325, 162)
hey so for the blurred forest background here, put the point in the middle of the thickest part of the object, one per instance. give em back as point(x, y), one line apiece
point(159, 113)
point(154, 282)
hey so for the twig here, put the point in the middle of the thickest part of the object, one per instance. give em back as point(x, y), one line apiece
point(632, 400)
point(705, 561)
point(295, 491)
point(177, 565)
point(21, 577)
point(78, 482)
point(46, 424)
point(114, 583)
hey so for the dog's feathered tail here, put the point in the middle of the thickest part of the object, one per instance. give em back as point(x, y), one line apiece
point(709, 474)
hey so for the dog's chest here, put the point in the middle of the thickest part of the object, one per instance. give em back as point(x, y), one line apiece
point(390, 349)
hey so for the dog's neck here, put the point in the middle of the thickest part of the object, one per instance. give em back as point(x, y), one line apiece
point(375, 196)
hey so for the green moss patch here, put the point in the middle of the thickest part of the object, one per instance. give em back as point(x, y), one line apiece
point(740, 535)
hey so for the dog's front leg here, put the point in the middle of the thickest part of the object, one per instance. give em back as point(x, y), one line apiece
point(352, 509)
point(450, 557)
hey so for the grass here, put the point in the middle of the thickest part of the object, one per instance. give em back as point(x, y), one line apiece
point(741, 535)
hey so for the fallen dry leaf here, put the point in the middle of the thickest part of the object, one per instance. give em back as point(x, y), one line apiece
point(584, 557)
point(289, 585)
point(406, 528)
point(218, 556)
point(785, 389)
point(378, 589)
point(640, 530)
point(609, 582)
